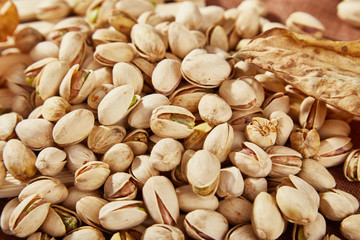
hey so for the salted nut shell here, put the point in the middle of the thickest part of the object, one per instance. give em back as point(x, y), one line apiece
point(102, 138)
point(163, 231)
point(127, 73)
point(213, 109)
point(120, 186)
point(91, 175)
point(8, 122)
point(107, 35)
point(72, 48)
point(73, 127)
point(34, 69)
point(241, 118)
point(169, 69)
point(128, 213)
point(51, 161)
point(75, 195)
point(204, 181)
point(78, 155)
point(97, 95)
point(305, 141)
point(231, 183)
point(284, 126)
point(237, 210)
point(121, 21)
point(28, 216)
point(302, 22)
point(196, 140)
point(111, 53)
point(216, 36)
point(205, 224)
point(166, 154)
point(285, 161)
point(172, 121)
point(141, 169)
point(333, 128)
point(119, 157)
point(87, 208)
point(117, 104)
point(39, 236)
point(137, 140)
point(50, 10)
point(316, 229)
point(349, 227)
point(312, 113)
point(54, 108)
point(160, 200)
point(84, 233)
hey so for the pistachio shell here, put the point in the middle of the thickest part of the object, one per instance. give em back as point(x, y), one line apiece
point(111, 53)
point(78, 155)
point(163, 231)
point(213, 109)
point(85, 232)
point(127, 73)
point(181, 40)
point(231, 183)
point(72, 48)
point(120, 186)
point(74, 195)
point(6, 213)
point(141, 169)
point(91, 175)
point(168, 69)
point(87, 208)
point(8, 122)
point(102, 138)
point(349, 227)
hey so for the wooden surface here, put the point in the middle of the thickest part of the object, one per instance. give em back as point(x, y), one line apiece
point(325, 11)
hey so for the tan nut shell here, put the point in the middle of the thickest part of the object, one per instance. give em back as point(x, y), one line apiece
point(92, 178)
point(113, 53)
point(166, 76)
point(213, 109)
point(8, 122)
point(102, 138)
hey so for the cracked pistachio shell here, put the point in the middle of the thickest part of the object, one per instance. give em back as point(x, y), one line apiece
point(91, 175)
point(97, 95)
point(34, 69)
point(139, 117)
point(213, 15)
point(120, 186)
point(102, 138)
point(131, 233)
point(72, 48)
point(336, 204)
point(166, 154)
point(127, 73)
point(107, 35)
point(54, 108)
point(253, 186)
point(270, 82)
point(35, 133)
point(160, 200)
point(311, 231)
point(77, 84)
point(111, 53)
point(247, 24)
point(74, 127)
point(168, 70)
point(217, 37)
point(284, 127)
point(298, 201)
point(213, 109)
point(196, 69)
point(117, 104)
point(19, 160)
point(276, 102)
point(251, 160)
point(190, 201)
point(51, 10)
point(305, 141)
point(178, 175)
point(163, 231)
point(189, 15)
point(333, 151)
point(285, 161)
point(87, 208)
point(231, 183)
point(172, 122)
point(74, 195)
point(349, 227)
point(305, 23)
point(205, 224)
point(312, 113)
point(219, 141)
point(196, 140)
point(333, 128)
point(44, 49)
point(52, 190)
point(351, 169)
point(59, 221)
point(141, 169)
point(39, 236)
point(122, 22)
point(119, 157)
point(241, 118)
point(245, 232)
point(78, 155)
point(237, 210)
point(266, 218)
point(314, 173)
point(8, 122)
point(6, 213)
point(120, 215)
point(85, 232)
point(148, 42)
point(203, 172)
point(137, 140)
point(35, 210)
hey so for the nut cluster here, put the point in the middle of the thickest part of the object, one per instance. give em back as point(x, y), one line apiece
point(167, 136)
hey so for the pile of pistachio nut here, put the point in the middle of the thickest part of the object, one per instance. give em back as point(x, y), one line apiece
point(166, 135)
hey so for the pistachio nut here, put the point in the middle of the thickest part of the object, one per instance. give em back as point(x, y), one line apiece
point(276, 102)
point(75, 23)
point(98, 12)
point(314, 173)
point(2, 169)
point(127, 73)
point(189, 15)
point(35, 133)
point(305, 23)
point(216, 36)
point(77, 84)
point(78, 155)
point(213, 14)
point(107, 35)
point(285, 161)
point(137, 140)
point(28, 216)
point(8, 122)
point(331, 237)
point(333, 128)
point(172, 121)
point(241, 118)
point(196, 69)
point(39, 236)
point(121, 21)
point(305, 141)
point(163, 231)
point(349, 227)
point(262, 131)
point(139, 117)
point(247, 24)
point(251, 160)
point(351, 168)
point(284, 127)
point(160, 200)
point(179, 174)
point(313, 230)
point(231, 183)
point(117, 104)
point(168, 69)
point(51, 10)
point(266, 218)
point(134, 7)
point(196, 140)
point(19, 160)
point(97, 95)
point(75, 195)
point(38, 51)
point(72, 48)
point(166, 154)
point(134, 233)
point(85, 232)
point(270, 82)
point(213, 109)
point(118, 157)
point(59, 221)
point(74, 127)
point(241, 231)
point(54, 108)
point(336, 204)
point(333, 151)
point(102, 138)
point(91, 175)
point(111, 53)
point(297, 200)
point(203, 172)
point(6, 213)
point(181, 40)
point(312, 113)
point(296, 98)
point(237, 210)
point(26, 38)
point(141, 169)
point(120, 186)
point(87, 208)
point(205, 224)
point(253, 186)
point(34, 69)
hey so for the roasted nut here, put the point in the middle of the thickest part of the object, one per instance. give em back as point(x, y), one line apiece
point(237, 210)
point(166, 154)
point(119, 157)
point(262, 131)
point(120, 186)
point(349, 227)
point(91, 175)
